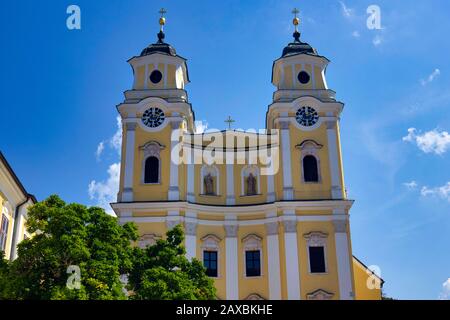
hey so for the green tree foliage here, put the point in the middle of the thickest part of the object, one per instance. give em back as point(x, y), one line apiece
point(65, 235)
point(162, 272)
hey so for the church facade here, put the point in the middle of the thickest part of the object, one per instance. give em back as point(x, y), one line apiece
point(267, 212)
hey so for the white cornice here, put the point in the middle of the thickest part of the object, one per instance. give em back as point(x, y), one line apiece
point(237, 210)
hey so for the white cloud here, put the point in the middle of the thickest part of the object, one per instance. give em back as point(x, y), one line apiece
point(377, 40)
point(99, 151)
point(346, 12)
point(410, 185)
point(445, 294)
point(356, 34)
point(105, 192)
point(433, 141)
point(116, 141)
point(201, 126)
point(442, 192)
point(431, 77)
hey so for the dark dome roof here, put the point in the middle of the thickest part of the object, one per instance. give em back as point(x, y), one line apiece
point(298, 47)
point(160, 46)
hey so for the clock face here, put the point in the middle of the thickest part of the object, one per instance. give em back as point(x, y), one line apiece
point(307, 116)
point(153, 117)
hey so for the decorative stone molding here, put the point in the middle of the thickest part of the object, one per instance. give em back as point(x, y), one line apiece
point(148, 239)
point(252, 242)
point(284, 124)
point(254, 296)
point(272, 228)
point(290, 225)
point(170, 224)
point(316, 238)
point(309, 145)
point(331, 124)
point(152, 148)
point(176, 123)
point(319, 294)
point(210, 242)
point(336, 192)
point(340, 226)
point(131, 126)
point(190, 228)
point(231, 230)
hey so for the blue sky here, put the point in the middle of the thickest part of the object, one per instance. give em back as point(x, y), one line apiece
point(59, 89)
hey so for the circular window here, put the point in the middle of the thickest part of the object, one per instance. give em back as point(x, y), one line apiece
point(153, 117)
point(303, 77)
point(156, 76)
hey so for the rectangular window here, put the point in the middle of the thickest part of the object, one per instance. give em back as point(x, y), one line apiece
point(317, 259)
point(253, 263)
point(210, 263)
point(3, 232)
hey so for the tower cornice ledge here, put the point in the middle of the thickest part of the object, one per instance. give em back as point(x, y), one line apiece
point(300, 205)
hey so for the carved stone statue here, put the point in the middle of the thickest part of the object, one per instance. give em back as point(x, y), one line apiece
point(251, 185)
point(209, 184)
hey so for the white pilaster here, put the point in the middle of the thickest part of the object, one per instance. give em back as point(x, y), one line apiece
point(270, 187)
point(291, 253)
point(174, 191)
point(19, 232)
point(288, 192)
point(273, 261)
point(336, 190)
point(127, 192)
point(190, 226)
point(190, 182)
point(231, 262)
point(343, 259)
point(230, 184)
point(173, 218)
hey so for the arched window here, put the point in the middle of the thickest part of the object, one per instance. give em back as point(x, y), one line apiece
point(310, 169)
point(151, 162)
point(151, 170)
point(310, 161)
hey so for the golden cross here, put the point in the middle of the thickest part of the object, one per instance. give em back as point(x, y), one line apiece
point(296, 20)
point(162, 20)
point(229, 121)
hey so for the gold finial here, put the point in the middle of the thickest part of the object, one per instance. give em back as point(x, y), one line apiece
point(162, 20)
point(296, 20)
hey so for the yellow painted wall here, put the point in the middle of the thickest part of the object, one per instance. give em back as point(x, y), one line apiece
point(218, 231)
point(140, 77)
point(321, 190)
point(362, 291)
point(249, 285)
point(151, 192)
point(290, 80)
point(169, 72)
point(309, 281)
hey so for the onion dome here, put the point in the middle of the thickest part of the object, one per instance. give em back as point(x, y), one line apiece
point(160, 46)
point(297, 47)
